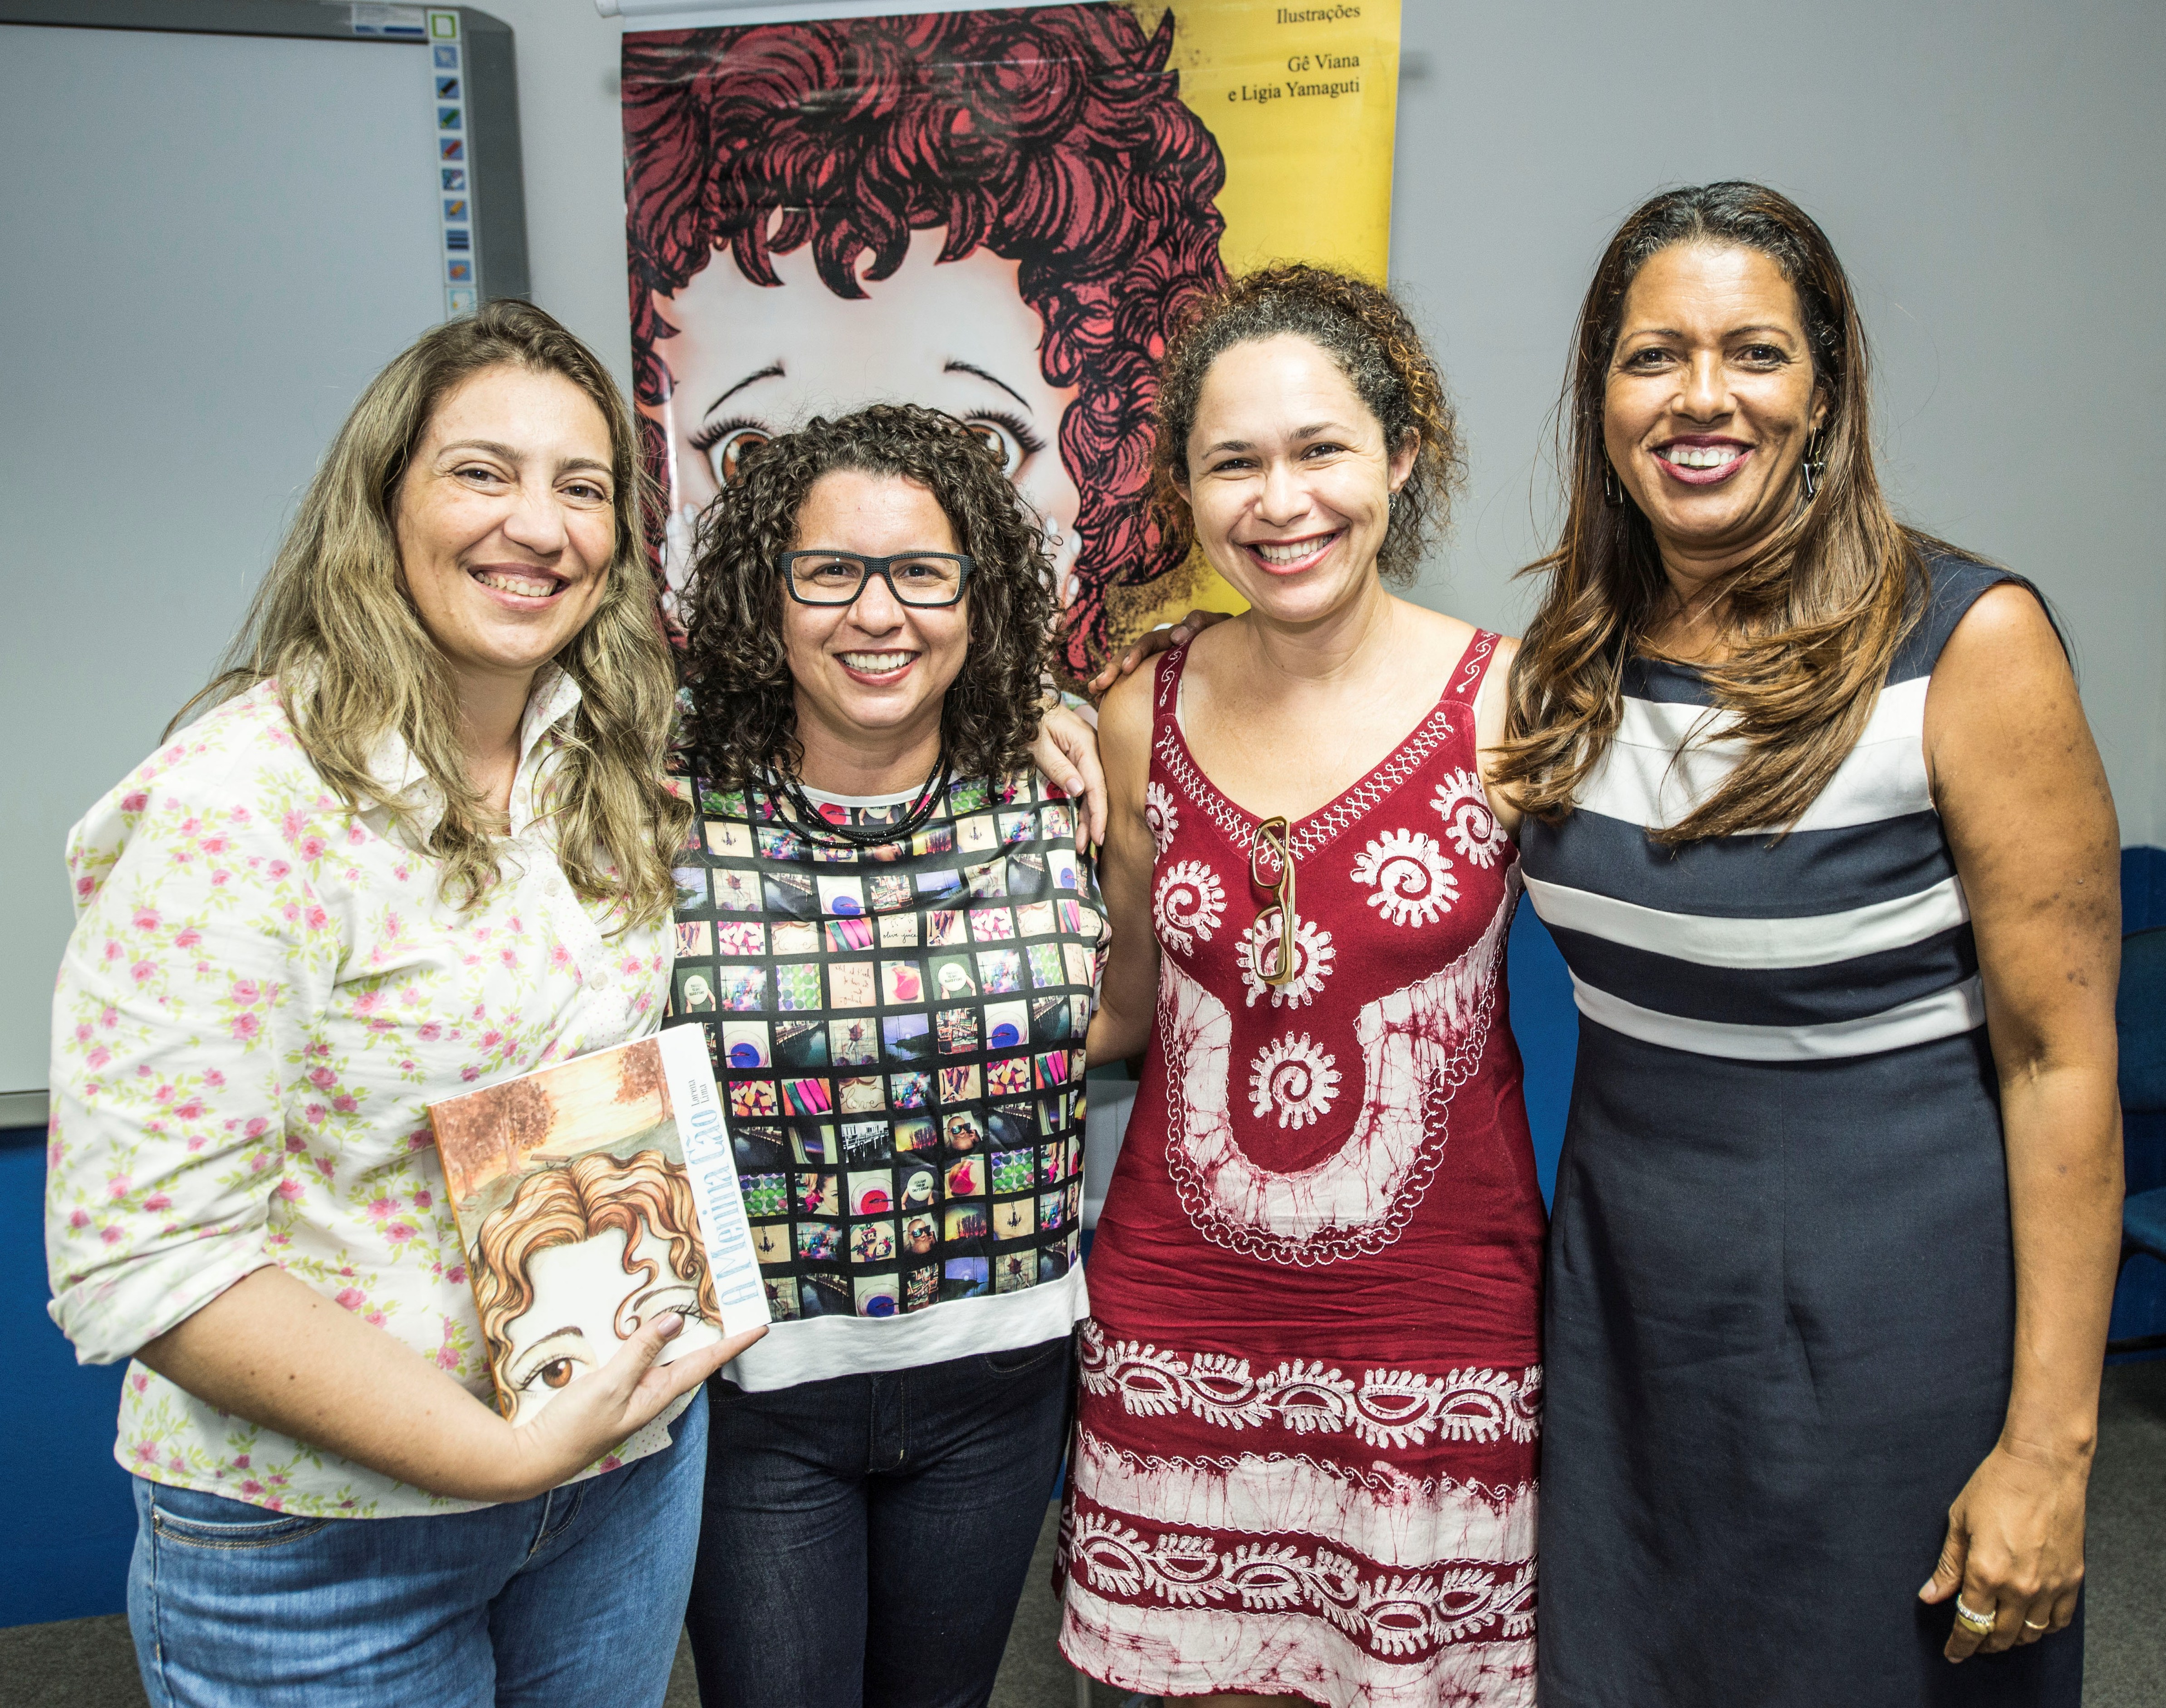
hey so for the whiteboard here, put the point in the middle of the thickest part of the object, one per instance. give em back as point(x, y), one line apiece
point(213, 242)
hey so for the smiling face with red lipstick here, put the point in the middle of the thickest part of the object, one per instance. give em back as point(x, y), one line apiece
point(1709, 402)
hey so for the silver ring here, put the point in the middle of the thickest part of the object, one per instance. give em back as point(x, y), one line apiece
point(2034, 1625)
point(1978, 1624)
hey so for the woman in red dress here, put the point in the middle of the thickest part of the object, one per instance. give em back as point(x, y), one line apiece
point(1304, 1467)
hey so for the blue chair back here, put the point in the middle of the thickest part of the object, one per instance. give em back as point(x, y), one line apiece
point(2139, 1013)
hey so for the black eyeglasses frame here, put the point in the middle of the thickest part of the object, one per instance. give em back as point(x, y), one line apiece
point(880, 567)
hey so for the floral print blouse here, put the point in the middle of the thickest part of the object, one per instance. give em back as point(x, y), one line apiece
point(262, 993)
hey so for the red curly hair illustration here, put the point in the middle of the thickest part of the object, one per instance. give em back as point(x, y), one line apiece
point(1053, 137)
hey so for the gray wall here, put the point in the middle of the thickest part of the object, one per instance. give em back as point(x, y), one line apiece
point(1989, 172)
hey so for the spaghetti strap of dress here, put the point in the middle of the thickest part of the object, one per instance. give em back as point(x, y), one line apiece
point(1473, 665)
point(1165, 691)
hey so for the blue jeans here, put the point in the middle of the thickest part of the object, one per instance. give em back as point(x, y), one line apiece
point(866, 1538)
point(572, 1597)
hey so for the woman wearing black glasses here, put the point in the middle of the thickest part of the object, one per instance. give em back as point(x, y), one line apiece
point(886, 905)
point(1304, 1466)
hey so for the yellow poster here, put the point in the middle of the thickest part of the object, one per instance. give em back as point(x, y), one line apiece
point(1303, 102)
point(1000, 213)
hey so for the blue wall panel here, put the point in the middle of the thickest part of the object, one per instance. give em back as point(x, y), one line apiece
point(2139, 1303)
point(2143, 888)
point(1546, 1025)
point(66, 1517)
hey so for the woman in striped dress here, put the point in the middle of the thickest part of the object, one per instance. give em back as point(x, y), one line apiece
point(1814, 814)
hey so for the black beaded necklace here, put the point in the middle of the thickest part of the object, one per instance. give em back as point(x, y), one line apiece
point(818, 827)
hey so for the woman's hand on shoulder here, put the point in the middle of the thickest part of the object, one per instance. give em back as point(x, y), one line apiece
point(1067, 751)
point(1158, 639)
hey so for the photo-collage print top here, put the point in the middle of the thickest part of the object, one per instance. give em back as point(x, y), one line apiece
point(900, 1029)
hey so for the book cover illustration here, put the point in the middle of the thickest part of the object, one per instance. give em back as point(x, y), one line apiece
point(591, 1196)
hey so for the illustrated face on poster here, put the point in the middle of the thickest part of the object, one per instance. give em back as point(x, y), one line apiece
point(1001, 215)
point(748, 361)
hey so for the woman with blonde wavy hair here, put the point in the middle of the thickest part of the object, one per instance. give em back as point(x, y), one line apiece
point(1812, 812)
point(419, 837)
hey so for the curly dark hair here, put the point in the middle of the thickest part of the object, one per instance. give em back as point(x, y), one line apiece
point(1363, 329)
point(1055, 137)
point(744, 717)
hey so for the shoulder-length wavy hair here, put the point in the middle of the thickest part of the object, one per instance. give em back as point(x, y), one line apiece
point(1816, 613)
point(1055, 137)
point(1363, 329)
point(335, 626)
point(744, 717)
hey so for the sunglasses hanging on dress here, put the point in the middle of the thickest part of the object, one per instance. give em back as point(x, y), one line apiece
point(1272, 845)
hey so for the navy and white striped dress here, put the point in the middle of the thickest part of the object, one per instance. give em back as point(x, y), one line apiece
point(1781, 1289)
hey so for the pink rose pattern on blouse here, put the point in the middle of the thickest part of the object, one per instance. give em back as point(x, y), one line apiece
point(262, 994)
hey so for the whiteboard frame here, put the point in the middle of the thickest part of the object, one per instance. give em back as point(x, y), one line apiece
point(495, 166)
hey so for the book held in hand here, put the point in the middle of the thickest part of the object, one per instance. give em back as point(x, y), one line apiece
point(592, 1196)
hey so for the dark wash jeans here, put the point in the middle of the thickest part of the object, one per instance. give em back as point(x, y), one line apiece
point(865, 1539)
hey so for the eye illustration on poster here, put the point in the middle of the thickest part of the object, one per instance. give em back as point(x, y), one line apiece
point(1000, 214)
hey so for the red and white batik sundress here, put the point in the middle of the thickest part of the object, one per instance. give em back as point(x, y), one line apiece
point(1305, 1452)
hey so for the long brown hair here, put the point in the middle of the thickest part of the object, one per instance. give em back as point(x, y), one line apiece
point(1815, 615)
point(333, 626)
point(1377, 346)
